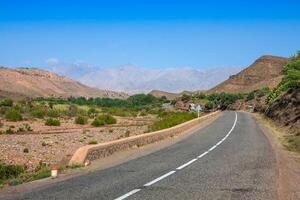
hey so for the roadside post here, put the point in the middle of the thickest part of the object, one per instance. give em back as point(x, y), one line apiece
point(54, 171)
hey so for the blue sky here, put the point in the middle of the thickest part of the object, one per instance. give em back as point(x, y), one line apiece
point(152, 34)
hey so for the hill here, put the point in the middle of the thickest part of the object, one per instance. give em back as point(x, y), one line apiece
point(168, 95)
point(267, 71)
point(33, 82)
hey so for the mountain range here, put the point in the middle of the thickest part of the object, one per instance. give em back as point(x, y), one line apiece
point(266, 71)
point(133, 79)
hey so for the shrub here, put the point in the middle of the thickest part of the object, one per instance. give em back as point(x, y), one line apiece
point(53, 113)
point(92, 112)
point(108, 119)
point(250, 96)
point(9, 131)
point(104, 119)
point(13, 115)
point(41, 171)
point(81, 120)
point(98, 122)
point(93, 141)
point(52, 122)
point(72, 111)
point(39, 113)
point(10, 171)
point(7, 102)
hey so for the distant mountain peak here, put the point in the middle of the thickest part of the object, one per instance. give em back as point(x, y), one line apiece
point(266, 71)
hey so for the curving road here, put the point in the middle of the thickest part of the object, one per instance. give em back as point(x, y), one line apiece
point(229, 159)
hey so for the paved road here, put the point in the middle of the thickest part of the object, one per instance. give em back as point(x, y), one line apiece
point(229, 159)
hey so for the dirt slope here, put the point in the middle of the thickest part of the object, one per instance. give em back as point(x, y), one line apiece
point(33, 82)
point(264, 72)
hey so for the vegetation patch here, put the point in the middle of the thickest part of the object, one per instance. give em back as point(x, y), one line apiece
point(293, 143)
point(170, 119)
point(16, 174)
point(291, 78)
point(93, 141)
point(81, 120)
point(101, 120)
point(13, 115)
point(52, 122)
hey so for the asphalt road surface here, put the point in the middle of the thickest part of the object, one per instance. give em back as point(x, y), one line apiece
point(229, 159)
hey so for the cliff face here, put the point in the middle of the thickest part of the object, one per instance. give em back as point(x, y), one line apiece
point(33, 82)
point(264, 72)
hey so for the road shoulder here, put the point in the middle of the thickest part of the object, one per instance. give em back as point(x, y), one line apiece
point(288, 165)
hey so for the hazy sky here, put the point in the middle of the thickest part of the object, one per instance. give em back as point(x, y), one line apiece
point(153, 34)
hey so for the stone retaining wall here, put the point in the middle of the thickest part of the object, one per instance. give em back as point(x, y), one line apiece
point(93, 152)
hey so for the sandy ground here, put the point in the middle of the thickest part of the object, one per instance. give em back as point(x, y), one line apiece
point(57, 144)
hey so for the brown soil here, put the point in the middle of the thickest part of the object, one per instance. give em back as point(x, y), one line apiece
point(57, 144)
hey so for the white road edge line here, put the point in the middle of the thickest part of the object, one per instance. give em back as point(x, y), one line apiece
point(128, 194)
point(159, 178)
point(182, 166)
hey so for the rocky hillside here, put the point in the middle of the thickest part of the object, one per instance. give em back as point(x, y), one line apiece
point(286, 109)
point(33, 82)
point(264, 72)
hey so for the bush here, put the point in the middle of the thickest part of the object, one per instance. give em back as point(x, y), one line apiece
point(250, 96)
point(39, 113)
point(13, 115)
point(53, 113)
point(104, 119)
point(108, 119)
point(92, 112)
point(72, 111)
point(52, 122)
point(7, 102)
point(93, 141)
point(81, 120)
point(98, 122)
point(10, 171)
